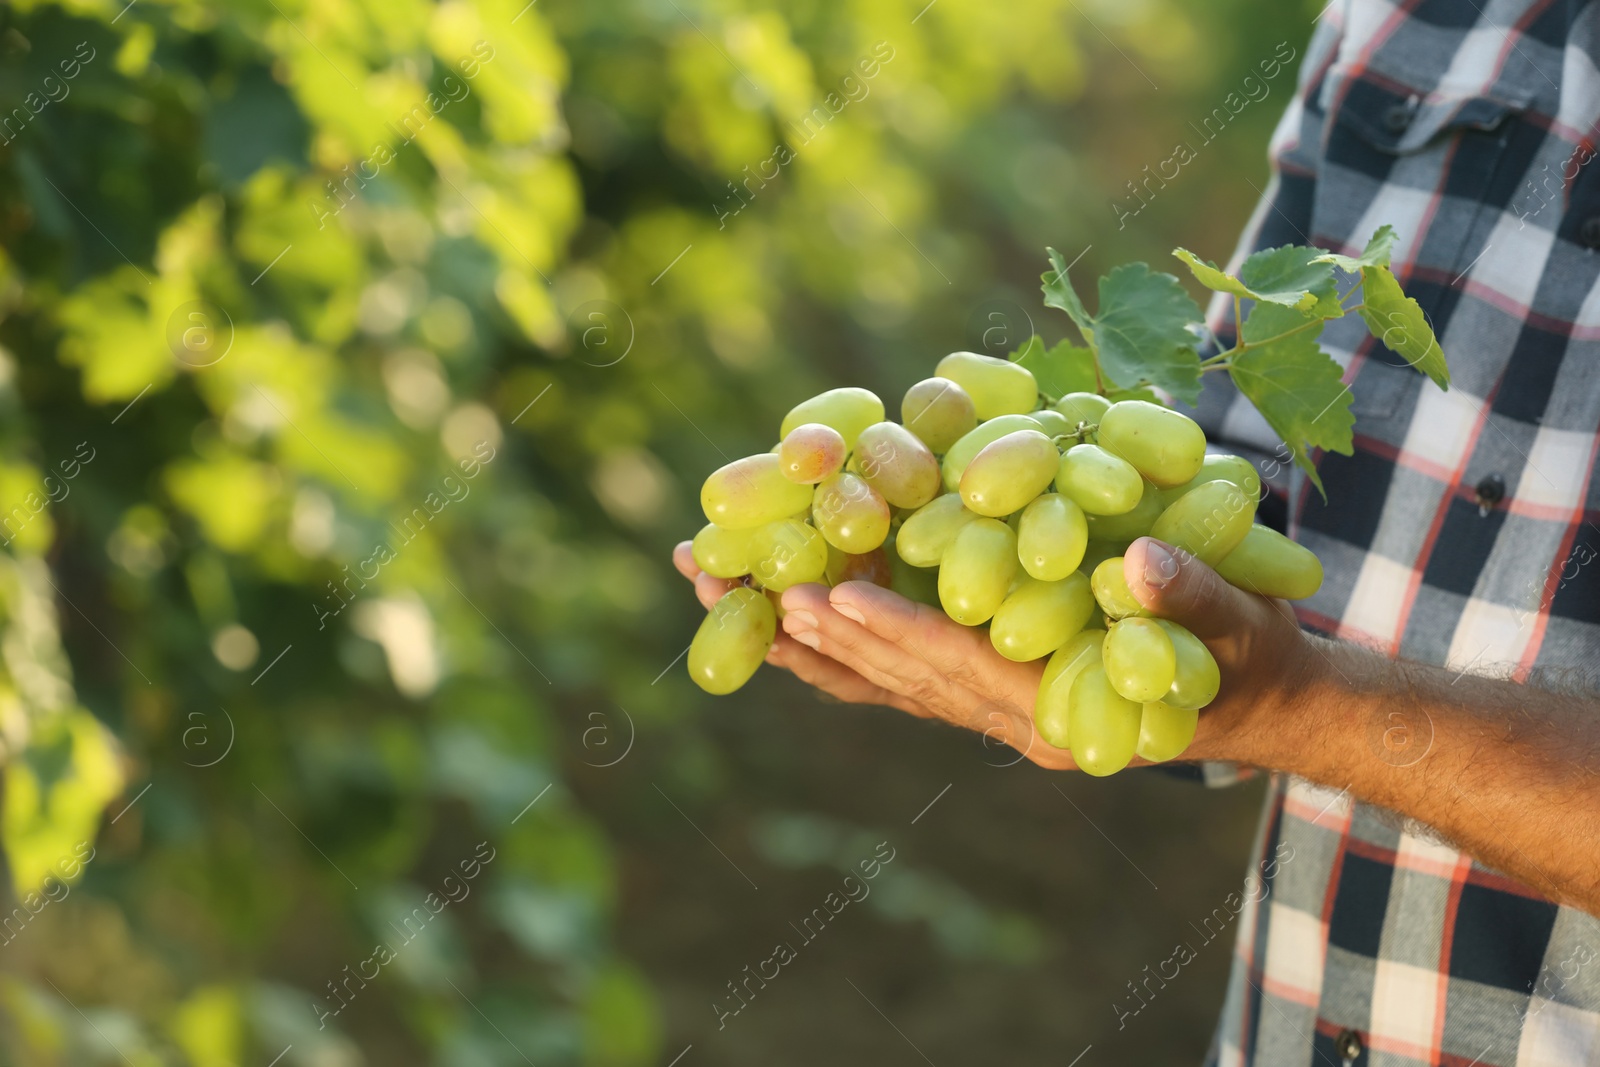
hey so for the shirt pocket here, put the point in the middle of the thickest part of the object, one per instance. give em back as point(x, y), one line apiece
point(1419, 157)
point(1429, 164)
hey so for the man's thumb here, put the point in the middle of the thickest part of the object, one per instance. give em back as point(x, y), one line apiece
point(1175, 585)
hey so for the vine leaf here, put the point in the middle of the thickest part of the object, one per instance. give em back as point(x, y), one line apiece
point(1065, 368)
point(1296, 386)
point(1210, 275)
point(1376, 254)
point(1292, 275)
point(1397, 320)
point(1059, 293)
point(1275, 273)
point(1146, 331)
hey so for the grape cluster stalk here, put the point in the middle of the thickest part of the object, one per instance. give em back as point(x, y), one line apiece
point(1007, 511)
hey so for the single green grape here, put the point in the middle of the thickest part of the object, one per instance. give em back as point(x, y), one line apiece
point(913, 583)
point(1218, 466)
point(1103, 726)
point(848, 411)
point(1139, 659)
point(751, 492)
point(787, 552)
point(997, 386)
point(810, 452)
point(850, 514)
point(867, 567)
point(1036, 618)
point(896, 463)
point(939, 412)
point(1196, 678)
point(1130, 525)
point(722, 553)
point(1051, 537)
point(1052, 709)
point(1268, 563)
point(1208, 522)
point(731, 642)
point(1111, 591)
point(1165, 731)
point(1053, 422)
point(1165, 446)
point(1097, 552)
point(1008, 473)
point(928, 531)
point(1083, 407)
point(1097, 481)
point(961, 453)
point(976, 572)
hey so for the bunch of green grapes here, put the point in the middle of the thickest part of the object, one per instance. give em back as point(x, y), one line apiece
point(1007, 512)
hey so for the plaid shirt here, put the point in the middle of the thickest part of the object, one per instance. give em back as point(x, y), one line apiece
point(1461, 531)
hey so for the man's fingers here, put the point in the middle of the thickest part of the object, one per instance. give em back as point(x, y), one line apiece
point(900, 667)
point(834, 678)
point(1177, 586)
point(710, 590)
point(683, 559)
point(947, 647)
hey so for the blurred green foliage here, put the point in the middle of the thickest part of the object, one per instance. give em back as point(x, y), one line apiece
point(437, 312)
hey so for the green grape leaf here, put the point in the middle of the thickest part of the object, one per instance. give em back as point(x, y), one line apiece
point(1060, 370)
point(1376, 254)
point(1327, 305)
point(1210, 275)
point(1029, 352)
point(1297, 387)
point(1292, 275)
point(1397, 320)
point(1143, 332)
point(1059, 293)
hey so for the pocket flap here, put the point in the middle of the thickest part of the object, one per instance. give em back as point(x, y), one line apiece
point(1395, 120)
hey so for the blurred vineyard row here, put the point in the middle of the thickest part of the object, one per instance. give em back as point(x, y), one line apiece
point(357, 362)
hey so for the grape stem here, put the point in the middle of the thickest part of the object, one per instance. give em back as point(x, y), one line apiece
point(1222, 360)
point(1079, 434)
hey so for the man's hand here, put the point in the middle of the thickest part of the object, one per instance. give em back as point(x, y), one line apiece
point(1509, 772)
point(1267, 662)
point(865, 644)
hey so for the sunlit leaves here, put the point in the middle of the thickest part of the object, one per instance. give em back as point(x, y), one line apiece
point(1059, 370)
point(25, 500)
point(1296, 386)
point(1292, 275)
point(232, 498)
point(1143, 331)
point(1376, 254)
point(114, 336)
point(1398, 321)
point(1059, 293)
point(54, 796)
point(1278, 365)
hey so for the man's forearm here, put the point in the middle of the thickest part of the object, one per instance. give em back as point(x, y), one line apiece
point(1508, 773)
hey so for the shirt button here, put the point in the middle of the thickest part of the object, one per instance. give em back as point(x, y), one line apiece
point(1589, 232)
point(1491, 490)
point(1397, 118)
point(1348, 1045)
